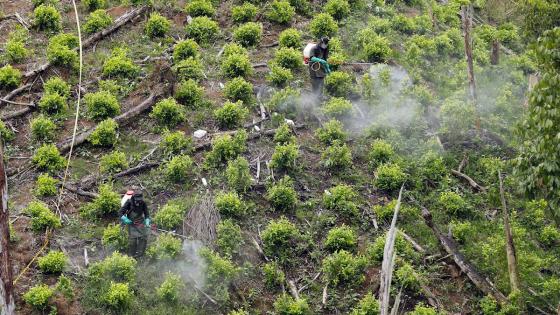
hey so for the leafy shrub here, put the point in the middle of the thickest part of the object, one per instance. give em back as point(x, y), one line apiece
point(53, 262)
point(48, 158)
point(118, 296)
point(284, 135)
point(107, 202)
point(202, 29)
point(342, 267)
point(282, 195)
point(281, 12)
point(61, 50)
point(119, 65)
point(234, 49)
point(96, 21)
point(220, 272)
point(287, 305)
point(290, 38)
point(229, 204)
point(112, 163)
point(10, 77)
point(226, 147)
point(342, 199)
point(285, 157)
point(236, 65)
point(461, 231)
point(65, 287)
point(407, 277)
point(170, 288)
point(15, 51)
point(56, 85)
point(284, 100)
point(280, 238)
point(248, 34)
point(228, 237)
point(368, 305)
point(189, 68)
point(289, 58)
point(185, 49)
point(200, 8)
point(385, 212)
point(243, 13)
point(5, 133)
point(168, 113)
point(432, 167)
point(549, 235)
point(338, 84)
point(338, 108)
point(189, 93)
point(157, 25)
point(179, 168)
point(41, 216)
point(332, 131)
point(169, 216)
point(101, 105)
point(166, 246)
point(420, 309)
point(92, 5)
point(53, 104)
point(118, 266)
point(45, 186)
point(114, 237)
point(278, 75)
point(38, 296)
point(273, 275)
point(377, 49)
point(323, 24)
point(231, 115)
point(239, 90)
point(452, 202)
point(374, 251)
point(47, 18)
point(105, 134)
point(238, 174)
point(338, 9)
point(380, 152)
point(389, 176)
point(175, 143)
point(341, 237)
point(337, 157)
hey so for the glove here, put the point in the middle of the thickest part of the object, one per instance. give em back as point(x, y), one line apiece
point(323, 62)
point(147, 222)
point(125, 220)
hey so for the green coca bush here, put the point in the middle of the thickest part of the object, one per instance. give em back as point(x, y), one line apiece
point(231, 115)
point(48, 158)
point(323, 24)
point(118, 267)
point(338, 9)
point(118, 297)
point(248, 34)
point(105, 134)
point(338, 108)
point(92, 5)
point(107, 202)
point(290, 38)
point(243, 13)
point(52, 104)
point(285, 157)
point(274, 277)
point(279, 76)
point(238, 174)
point(229, 204)
point(61, 50)
point(189, 93)
point(119, 65)
point(236, 65)
point(226, 147)
point(169, 216)
point(281, 12)
point(166, 246)
point(10, 77)
point(549, 235)
point(101, 105)
point(200, 8)
point(6, 133)
point(114, 237)
point(189, 68)
point(289, 58)
point(342, 237)
point(46, 186)
point(15, 51)
point(389, 176)
point(368, 305)
point(234, 49)
point(287, 305)
point(238, 89)
point(282, 195)
point(229, 237)
point(96, 21)
point(168, 113)
point(280, 238)
point(332, 130)
point(337, 157)
point(53, 262)
point(341, 199)
point(179, 168)
point(47, 18)
point(175, 142)
point(452, 203)
point(377, 49)
point(38, 296)
point(284, 135)
point(341, 267)
point(185, 49)
point(41, 216)
point(338, 84)
point(202, 29)
point(56, 85)
point(113, 162)
point(157, 25)
point(380, 152)
point(432, 167)
point(170, 289)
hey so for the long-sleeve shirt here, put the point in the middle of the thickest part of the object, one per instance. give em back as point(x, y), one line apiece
point(135, 213)
point(316, 70)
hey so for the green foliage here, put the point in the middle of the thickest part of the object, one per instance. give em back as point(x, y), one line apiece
point(15, 51)
point(420, 309)
point(157, 25)
point(287, 305)
point(119, 65)
point(273, 276)
point(190, 68)
point(231, 115)
point(374, 251)
point(105, 134)
point(96, 21)
point(377, 49)
point(239, 90)
point(38, 296)
point(92, 5)
point(118, 267)
point(238, 174)
point(281, 12)
point(284, 100)
point(385, 212)
point(389, 176)
point(341, 199)
point(185, 49)
point(323, 24)
point(113, 162)
point(407, 277)
point(114, 237)
point(10, 77)
point(101, 105)
point(549, 235)
point(243, 13)
point(168, 113)
point(284, 135)
point(282, 195)
point(61, 50)
point(338, 83)
point(285, 157)
point(179, 168)
point(48, 158)
point(248, 34)
point(202, 29)
point(229, 204)
point(56, 85)
point(290, 38)
point(166, 246)
point(338, 107)
point(53, 262)
point(380, 152)
point(432, 167)
point(226, 147)
point(452, 203)
point(175, 142)
point(234, 49)
point(107, 202)
point(278, 75)
point(331, 131)
point(457, 118)
point(343, 267)
point(170, 288)
point(46, 186)
point(52, 104)
point(338, 9)
point(47, 18)
point(41, 216)
point(219, 271)
point(237, 65)
point(189, 93)
point(118, 297)
point(229, 237)
point(280, 238)
point(337, 157)
point(200, 8)
point(289, 58)
point(342, 237)
point(65, 287)
point(462, 231)
point(368, 305)
point(169, 216)
point(6, 133)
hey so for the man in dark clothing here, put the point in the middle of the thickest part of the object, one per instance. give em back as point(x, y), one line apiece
point(318, 66)
point(134, 213)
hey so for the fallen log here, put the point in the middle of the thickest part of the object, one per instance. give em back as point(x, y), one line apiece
point(414, 244)
point(79, 191)
point(6, 99)
point(471, 181)
point(293, 289)
point(18, 113)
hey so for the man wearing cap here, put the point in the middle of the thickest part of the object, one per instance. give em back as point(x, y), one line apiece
point(134, 214)
point(318, 65)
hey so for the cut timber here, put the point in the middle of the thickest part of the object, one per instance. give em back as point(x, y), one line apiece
point(90, 41)
point(452, 249)
point(7, 305)
point(9, 96)
point(510, 247)
point(471, 181)
point(293, 289)
point(416, 246)
point(80, 191)
point(18, 113)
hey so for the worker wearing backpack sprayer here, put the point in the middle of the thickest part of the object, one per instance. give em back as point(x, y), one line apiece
point(316, 55)
point(134, 214)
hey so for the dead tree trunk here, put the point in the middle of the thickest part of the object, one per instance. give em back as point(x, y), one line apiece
point(495, 56)
point(7, 305)
point(466, 17)
point(510, 247)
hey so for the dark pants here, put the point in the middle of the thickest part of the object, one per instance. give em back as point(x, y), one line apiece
point(137, 246)
point(317, 86)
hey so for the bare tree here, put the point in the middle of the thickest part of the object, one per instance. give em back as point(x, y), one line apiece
point(7, 305)
point(466, 17)
point(510, 247)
